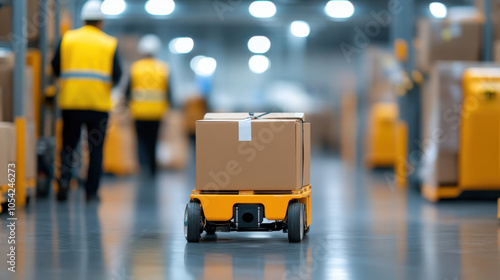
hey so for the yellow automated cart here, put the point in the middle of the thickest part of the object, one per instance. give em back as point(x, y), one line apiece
point(289, 211)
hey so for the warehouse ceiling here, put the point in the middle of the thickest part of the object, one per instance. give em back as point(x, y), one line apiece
point(221, 12)
point(229, 20)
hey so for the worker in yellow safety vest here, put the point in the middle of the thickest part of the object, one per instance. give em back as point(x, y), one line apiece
point(149, 97)
point(87, 63)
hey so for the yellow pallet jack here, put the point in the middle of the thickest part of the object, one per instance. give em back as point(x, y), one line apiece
point(479, 151)
point(246, 210)
point(382, 134)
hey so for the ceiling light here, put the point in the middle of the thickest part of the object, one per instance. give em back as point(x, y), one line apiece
point(259, 44)
point(262, 9)
point(300, 28)
point(181, 45)
point(438, 10)
point(159, 7)
point(113, 7)
point(258, 64)
point(203, 66)
point(339, 9)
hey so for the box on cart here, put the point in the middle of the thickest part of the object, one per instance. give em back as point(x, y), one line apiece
point(267, 152)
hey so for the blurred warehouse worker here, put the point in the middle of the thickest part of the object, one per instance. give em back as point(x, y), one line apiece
point(149, 97)
point(88, 65)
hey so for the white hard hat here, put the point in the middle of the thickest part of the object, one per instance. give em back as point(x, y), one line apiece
point(92, 10)
point(149, 44)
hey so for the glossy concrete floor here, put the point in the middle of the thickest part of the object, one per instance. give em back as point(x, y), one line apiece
point(362, 229)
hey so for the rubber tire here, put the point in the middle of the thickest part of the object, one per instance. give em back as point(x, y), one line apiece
point(296, 222)
point(192, 222)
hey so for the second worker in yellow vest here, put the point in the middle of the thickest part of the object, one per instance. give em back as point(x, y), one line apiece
point(87, 63)
point(149, 96)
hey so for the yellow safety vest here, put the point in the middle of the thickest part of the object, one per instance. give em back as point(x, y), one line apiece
point(149, 89)
point(86, 69)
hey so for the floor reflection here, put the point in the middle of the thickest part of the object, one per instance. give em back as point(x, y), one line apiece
point(362, 229)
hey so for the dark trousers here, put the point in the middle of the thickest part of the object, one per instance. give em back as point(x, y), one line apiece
point(96, 124)
point(147, 136)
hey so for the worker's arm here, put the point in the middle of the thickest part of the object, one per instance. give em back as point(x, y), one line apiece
point(56, 61)
point(117, 69)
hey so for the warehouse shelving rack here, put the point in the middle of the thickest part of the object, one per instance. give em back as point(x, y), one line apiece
point(18, 43)
point(48, 141)
point(19, 46)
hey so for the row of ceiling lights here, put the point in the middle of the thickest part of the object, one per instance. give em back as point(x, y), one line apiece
point(258, 45)
point(205, 66)
point(258, 63)
point(259, 9)
point(338, 9)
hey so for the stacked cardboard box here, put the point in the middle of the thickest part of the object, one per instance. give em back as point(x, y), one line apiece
point(7, 113)
point(234, 152)
point(496, 52)
point(120, 144)
point(31, 20)
point(6, 68)
point(6, 89)
point(447, 40)
point(173, 146)
point(7, 149)
point(495, 8)
point(195, 108)
point(127, 46)
point(325, 132)
point(441, 117)
point(380, 67)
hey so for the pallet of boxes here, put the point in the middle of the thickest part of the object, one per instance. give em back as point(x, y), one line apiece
point(442, 113)
point(252, 174)
point(446, 50)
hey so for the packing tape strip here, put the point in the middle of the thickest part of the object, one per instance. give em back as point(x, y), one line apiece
point(245, 130)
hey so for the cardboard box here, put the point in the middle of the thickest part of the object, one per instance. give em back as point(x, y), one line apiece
point(441, 118)
point(194, 109)
point(120, 145)
point(32, 21)
point(173, 146)
point(6, 97)
point(447, 40)
point(496, 52)
point(6, 93)
point(381, 69)
point(267, 154)
point(6, 67)
point(7, 149)
point(495, 8)
point(127, 46)
point(325, 133)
